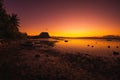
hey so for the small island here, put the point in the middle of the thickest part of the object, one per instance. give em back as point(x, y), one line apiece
point(44, 35)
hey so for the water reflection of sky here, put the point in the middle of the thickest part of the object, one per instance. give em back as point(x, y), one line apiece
point(100, 46)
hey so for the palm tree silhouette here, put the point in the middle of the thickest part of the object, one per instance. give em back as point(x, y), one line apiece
point(9, 24)
point(14, 22)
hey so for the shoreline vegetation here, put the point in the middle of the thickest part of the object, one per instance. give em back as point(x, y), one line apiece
point(42, 62)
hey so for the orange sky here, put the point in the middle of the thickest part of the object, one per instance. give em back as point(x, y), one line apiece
point(67, 18)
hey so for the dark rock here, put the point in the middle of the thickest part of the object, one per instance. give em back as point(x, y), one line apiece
point(66, 41)
point(115, 53)
point(37, 56)
point(27, 44)
point(88, 45)
point(92, 46)
point(108, 46)
point(47, 55)
point(48, 43)
point(117, 46)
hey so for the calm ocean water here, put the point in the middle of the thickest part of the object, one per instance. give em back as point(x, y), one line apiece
point(97, 47)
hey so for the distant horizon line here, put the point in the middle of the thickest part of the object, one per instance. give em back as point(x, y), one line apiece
point(85, 37)
point(79, 36)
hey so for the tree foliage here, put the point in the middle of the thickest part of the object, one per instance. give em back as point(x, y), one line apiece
point(9, 24)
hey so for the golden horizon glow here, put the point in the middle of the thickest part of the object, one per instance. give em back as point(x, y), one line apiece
point(67, 18)
point(71, 25)
point(75, 33)
point(71, 28)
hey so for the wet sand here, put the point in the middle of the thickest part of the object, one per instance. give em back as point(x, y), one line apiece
point(45, 63)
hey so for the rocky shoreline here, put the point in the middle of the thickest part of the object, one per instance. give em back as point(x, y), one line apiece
point(45, 63)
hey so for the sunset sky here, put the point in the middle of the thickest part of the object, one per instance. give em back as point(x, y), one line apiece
point(68, 18)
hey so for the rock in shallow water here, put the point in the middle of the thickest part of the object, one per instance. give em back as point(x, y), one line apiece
point(108, 46)
point(115, 53)
point(37, 56)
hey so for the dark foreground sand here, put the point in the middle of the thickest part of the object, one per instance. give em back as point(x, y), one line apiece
point(45, 63)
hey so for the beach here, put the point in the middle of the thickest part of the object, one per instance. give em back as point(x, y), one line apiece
point(45, 63)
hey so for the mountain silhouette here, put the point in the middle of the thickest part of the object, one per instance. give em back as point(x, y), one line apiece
point(44, 35)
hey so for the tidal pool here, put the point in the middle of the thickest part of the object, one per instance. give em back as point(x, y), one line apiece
point(97, 47)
